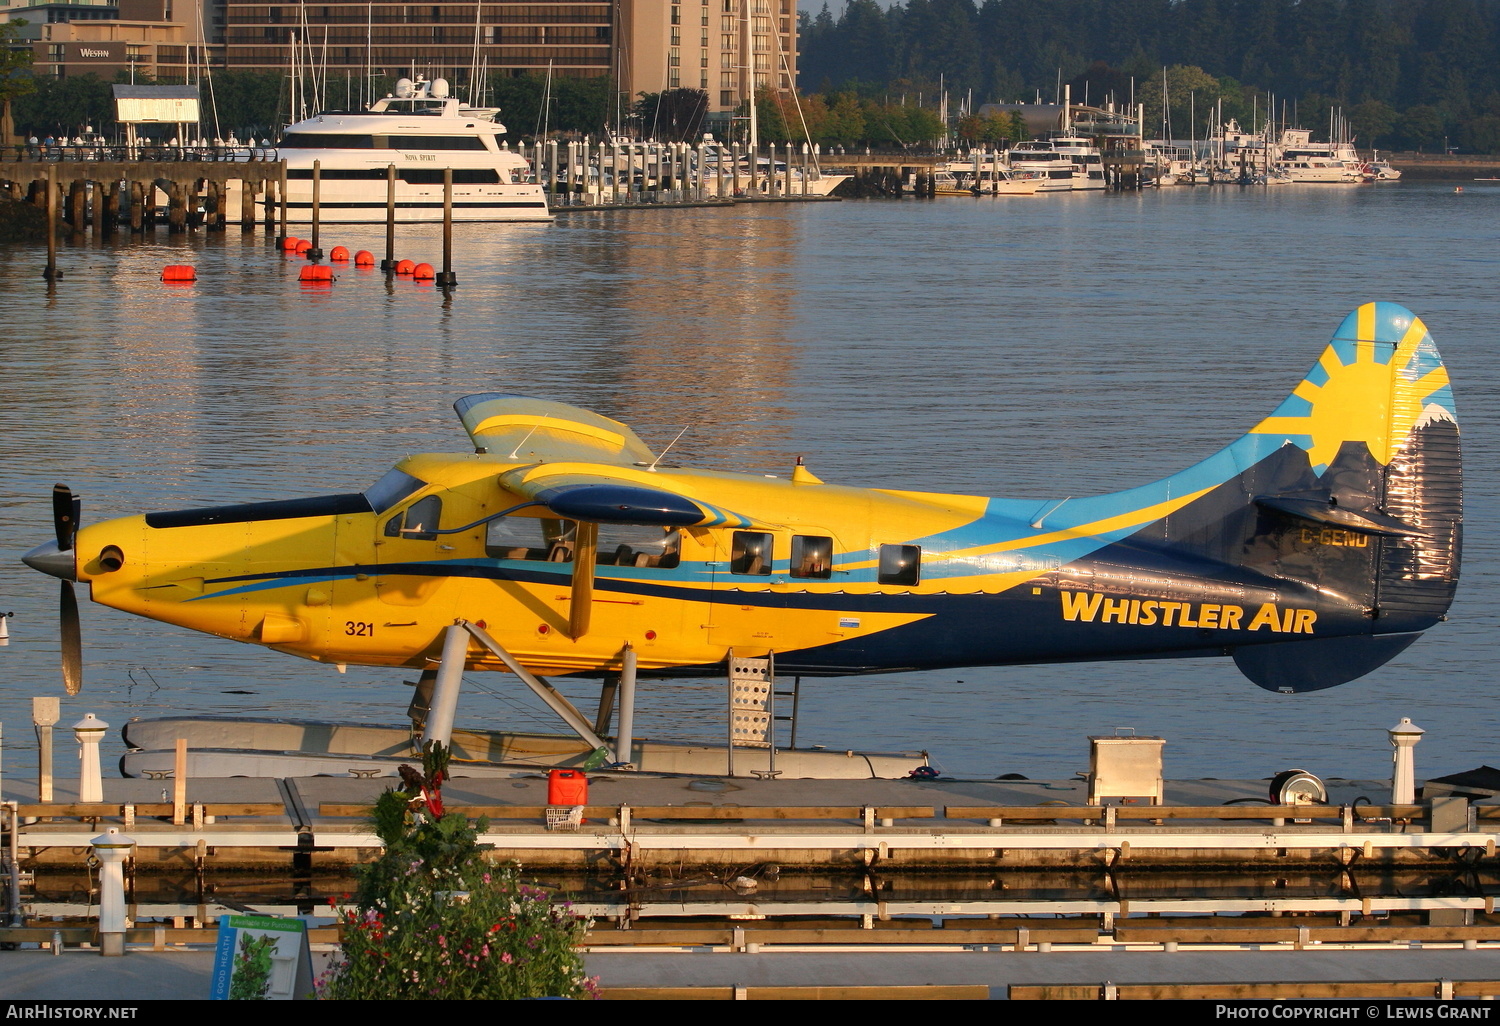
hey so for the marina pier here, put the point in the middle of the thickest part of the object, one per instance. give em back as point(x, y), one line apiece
point(103, 188)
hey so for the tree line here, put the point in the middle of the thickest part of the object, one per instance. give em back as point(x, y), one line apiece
point(1406, 73)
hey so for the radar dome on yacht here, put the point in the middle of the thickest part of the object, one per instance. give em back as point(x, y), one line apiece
point(403, 87)
point(440, 88)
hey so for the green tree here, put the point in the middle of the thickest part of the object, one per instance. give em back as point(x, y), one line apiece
point(15, 76)
point(1371, 120)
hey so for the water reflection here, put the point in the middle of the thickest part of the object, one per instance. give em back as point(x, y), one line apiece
point(1042, 348)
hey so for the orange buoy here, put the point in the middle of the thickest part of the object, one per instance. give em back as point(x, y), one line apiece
point(405, 267)
point(290, 243)
point(339, 253)
point(423, 272)
point(316, 273)
point(364, 258)
point(302, 246)
point(179, 272)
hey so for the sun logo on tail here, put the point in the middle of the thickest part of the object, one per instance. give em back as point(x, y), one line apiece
point(1379, 377)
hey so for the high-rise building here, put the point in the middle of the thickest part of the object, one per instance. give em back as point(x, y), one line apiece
point(725, 47)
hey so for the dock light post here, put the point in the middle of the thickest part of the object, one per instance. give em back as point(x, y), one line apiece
point(45, 712)
point(112, 848)
point(89, 731)
point(1404, 737)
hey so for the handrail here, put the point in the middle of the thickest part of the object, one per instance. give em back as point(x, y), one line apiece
point(224, 153)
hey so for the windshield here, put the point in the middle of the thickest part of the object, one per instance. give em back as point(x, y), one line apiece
point(391, 489)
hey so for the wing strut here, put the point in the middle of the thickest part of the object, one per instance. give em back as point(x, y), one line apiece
point(585, 551)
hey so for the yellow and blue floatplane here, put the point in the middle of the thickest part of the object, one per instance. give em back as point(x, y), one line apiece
point(1310, 550)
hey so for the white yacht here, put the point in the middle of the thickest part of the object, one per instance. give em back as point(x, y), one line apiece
point(1050, 155)
point(423, 131)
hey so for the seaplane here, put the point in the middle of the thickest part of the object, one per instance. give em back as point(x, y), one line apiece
point(1311, 550)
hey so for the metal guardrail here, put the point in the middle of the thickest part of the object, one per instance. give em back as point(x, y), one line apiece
point(214, 153)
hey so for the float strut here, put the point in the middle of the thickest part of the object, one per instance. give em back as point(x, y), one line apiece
point(450, 675)
point(625, 739)
point(546, 692)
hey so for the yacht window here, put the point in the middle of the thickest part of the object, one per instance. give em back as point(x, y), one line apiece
point(750, 553)
point(435, 142)
point(419, 521)
point(812, 557)
point(326, 141)
point(628, 545)
point(329, 174)
point(461, 176)
point(900, 564)
point(391, 489)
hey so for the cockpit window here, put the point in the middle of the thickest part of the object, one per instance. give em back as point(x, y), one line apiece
point(419, 522)
point(391, 489)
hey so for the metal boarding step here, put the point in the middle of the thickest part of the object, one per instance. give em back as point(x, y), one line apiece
point(752, 709)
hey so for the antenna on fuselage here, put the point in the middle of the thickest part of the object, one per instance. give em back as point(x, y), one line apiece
point(652, 469)
point(1036, 525)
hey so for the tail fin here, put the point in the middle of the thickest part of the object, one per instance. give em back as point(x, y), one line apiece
point(1346, 500)
point(1376, 420)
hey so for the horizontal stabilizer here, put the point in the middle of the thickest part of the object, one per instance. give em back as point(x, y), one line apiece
point(1315, 664)
point(1321, 511)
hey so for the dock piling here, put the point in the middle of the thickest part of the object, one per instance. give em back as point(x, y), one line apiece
point(446, 278)
point(315, 253)
point(388, 265)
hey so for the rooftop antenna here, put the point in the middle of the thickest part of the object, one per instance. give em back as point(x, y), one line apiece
point(668, 449)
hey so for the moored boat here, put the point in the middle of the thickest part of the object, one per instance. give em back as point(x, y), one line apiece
point(423, 131)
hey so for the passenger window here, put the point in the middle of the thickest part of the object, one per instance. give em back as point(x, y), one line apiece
point(419, 521)
point(900, 564)
point(750, 553)
point(545, 540)
point(628, 545)
point(812, 557)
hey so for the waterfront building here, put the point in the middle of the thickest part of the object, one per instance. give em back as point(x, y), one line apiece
point(146, 38)
point(725, 47)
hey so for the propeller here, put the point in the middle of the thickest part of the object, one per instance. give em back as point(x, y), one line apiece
point(66, 508)
point(59, 560)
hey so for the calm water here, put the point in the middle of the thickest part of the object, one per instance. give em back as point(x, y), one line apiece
point(1049, 346)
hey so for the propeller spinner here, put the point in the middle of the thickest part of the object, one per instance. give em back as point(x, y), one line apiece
point(59, 560)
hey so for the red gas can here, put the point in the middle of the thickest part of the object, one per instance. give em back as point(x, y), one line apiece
point(567, 787)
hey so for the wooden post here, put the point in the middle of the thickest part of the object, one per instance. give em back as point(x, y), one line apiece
point(247, 205)
point(270, 204)
point(388, 265)
point(137, 207)
point(281, 194)
point(179, 783)
point(213, 207)
point(78, 201)
point(447, 279)
point(51, 272)
point(177, 208)
point(314, 252)
point(111, 207)
point(96, 218)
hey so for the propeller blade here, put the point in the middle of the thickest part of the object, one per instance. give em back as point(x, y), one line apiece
point(72, 639)
point(65, 509)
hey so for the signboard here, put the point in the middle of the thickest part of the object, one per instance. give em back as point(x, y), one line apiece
point(261, 958)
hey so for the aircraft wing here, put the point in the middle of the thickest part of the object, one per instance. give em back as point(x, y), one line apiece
point(581, 465)
point(539, 431)
point(615, 495)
